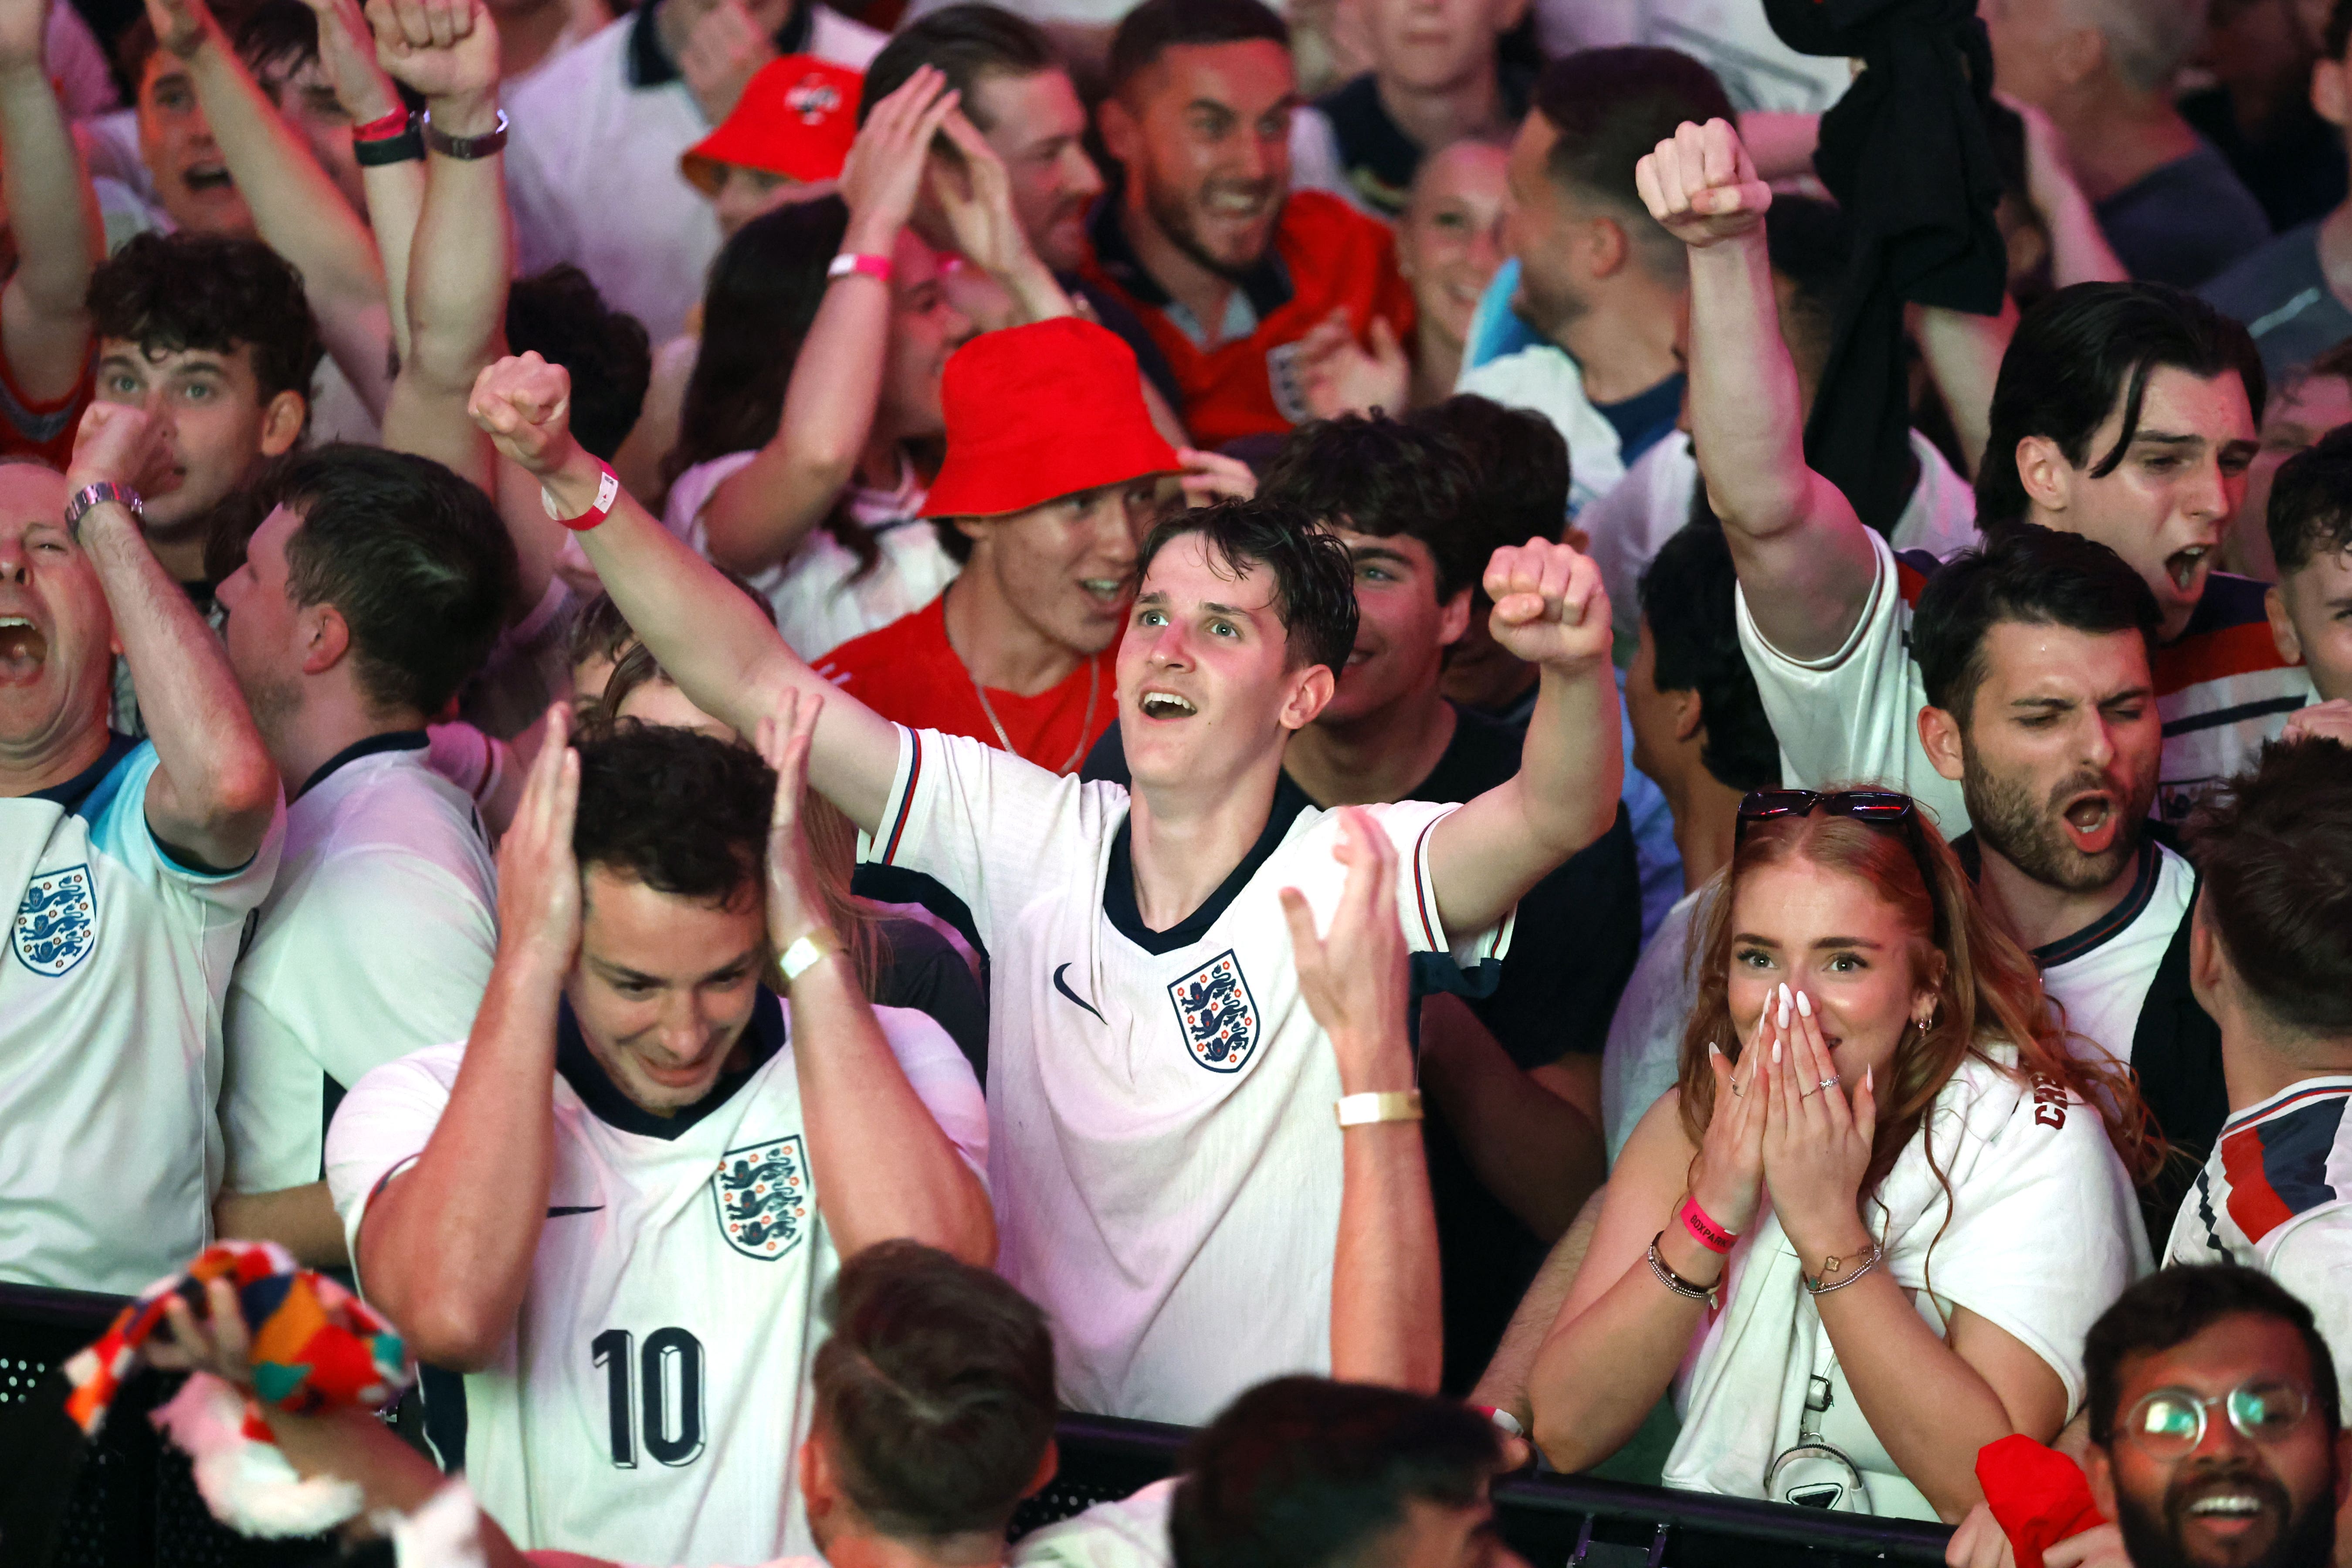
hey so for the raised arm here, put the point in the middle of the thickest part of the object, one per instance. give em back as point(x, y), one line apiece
point(297, 208)
point(1385, 1308)
point(215, 789)
point(884, 1167)
point(723, 653)
point(446, 1249)
point(1805, 561)
point(53, 212)
point(1551, 611)
point(759, 515)
point(394, 192)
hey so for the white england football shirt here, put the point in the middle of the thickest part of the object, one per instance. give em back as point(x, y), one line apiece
point(1162, 1148)
point(377, 941)
point(650, 1400)
point(2276, 1195)
point(110, 1032)
point(2101, 974)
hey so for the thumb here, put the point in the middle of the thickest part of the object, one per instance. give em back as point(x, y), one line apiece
point(1305, 944)
point(1385, 347)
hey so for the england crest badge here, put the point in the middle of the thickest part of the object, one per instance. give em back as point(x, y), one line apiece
point(1217, 1014)
point(57, 925)
point(764, 1196)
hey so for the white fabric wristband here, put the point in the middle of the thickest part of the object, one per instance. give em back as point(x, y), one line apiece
point(1360, 1110)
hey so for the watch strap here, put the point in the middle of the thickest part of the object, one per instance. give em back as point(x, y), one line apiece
point(92, 495)
point(464, 149)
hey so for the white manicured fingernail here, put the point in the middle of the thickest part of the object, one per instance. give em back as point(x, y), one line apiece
point(1784, 1006)
point(1804, 1005)
point(1776, 1052)
point(1711, 1052)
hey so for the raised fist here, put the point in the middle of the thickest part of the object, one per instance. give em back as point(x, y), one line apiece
point(525, 405)
point(444, 49)
point(1702, 187)
point(116, 443)
point(1549, 606)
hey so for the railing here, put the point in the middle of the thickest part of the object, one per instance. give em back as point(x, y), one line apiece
point(134, 1504)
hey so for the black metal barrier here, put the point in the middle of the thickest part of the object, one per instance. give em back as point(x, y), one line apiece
point(133, 1503)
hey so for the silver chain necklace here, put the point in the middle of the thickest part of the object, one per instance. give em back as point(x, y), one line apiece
point(1094, 689)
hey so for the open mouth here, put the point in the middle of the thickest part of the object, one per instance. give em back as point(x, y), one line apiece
point(209, 177)
point(23, 651)
point(1104, 590)
point(2226, 1505)
point(1164, 705)
point(2184, 567)
point(2092, 822)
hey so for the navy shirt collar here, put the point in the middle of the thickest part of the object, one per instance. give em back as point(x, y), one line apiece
point(73, 792)
point(390, 740)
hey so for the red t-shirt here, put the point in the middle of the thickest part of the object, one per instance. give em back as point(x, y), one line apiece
point(43, 430)
point(1324, 255)
point(908, 673)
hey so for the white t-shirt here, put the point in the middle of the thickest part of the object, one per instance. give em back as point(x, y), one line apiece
point(1730, 37)
point(376, 941)
point(1543, 380)
point(1162, 1142)
point(2101, 973)
point(1644, 1056)
point(819, 599)
point(1652, 503)
point(650, 1399)
point(592, 168)
point(110, 997)
point(1127, 1532)
point(2276, 1195)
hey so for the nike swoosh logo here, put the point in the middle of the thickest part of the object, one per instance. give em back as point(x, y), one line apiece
point(1062, 986)
point(582, 1208)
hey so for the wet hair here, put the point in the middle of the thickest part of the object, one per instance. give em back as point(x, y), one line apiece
point(1384, 478)
point(1154, 27)
point(2173, 1306)
point(2311, 503)
point(1303, 1472)
point(2274, 853)
point(560, 315)
point(1314, 580)
point(1612, 107)
point(2027, 574)
point(168, 293)
point(2085, 351)
point(683, 813)
point(1987, 988)
point(966, 43)
point(415, 559)
point(1519, 464)
point(278, 39)
point(1686, 597)
point(935, 1392)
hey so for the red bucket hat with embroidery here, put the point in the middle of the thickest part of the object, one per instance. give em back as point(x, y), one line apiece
point(1040, 411)
point(796, 118)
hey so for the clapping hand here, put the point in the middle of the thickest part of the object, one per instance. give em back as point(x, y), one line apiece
point(1549, 606)
point(796, 902)
point(1702, 187)
point(539, 878)
point(1816, 1144)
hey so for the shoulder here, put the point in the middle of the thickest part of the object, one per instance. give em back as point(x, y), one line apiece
point(1131, 1533)
point(549, 98)
point(2251, 286)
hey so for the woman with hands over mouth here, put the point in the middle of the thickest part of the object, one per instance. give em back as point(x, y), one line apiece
point(1865, 1234)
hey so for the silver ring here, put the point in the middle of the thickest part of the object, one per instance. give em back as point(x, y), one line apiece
point(1828, 1082)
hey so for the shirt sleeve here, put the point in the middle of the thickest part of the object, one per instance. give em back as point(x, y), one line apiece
point(942, 1079)
point(380, 1128)
point(1316, 871)
point(994, 829)
point(121, 828)
point(2314, 1259)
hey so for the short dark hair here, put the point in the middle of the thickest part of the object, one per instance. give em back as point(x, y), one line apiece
point(2273, 852)
point(1302, 1472)
point(2082, 353)
point(1154, 27)
point(560, 315)
point(172, 293)
point(1385, 477)
point(683, 813)
point(1314, 580)
point(2175, 1305)
point(415, 558)
point(935, 1391)
point(964, 43)
point(1519, 464)
point(1687, 596)
point(278, 39)
point(2029, 573)
point(1612, 107)
point(2311, 502)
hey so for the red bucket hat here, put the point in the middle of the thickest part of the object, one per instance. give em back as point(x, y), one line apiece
point(796, 118)
point(1040, 411)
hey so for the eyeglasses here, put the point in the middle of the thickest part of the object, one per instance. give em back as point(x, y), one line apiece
point(2169, 1424)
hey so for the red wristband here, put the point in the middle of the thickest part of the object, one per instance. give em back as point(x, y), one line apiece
point(1704, 1231)
point(383, 129)
point(608, 490)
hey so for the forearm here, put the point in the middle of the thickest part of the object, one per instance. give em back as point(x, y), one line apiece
point(1964, 354)
point(1541, 1155)
point(1504, 1383)
point(395, 199)
point(1928, 1407)
point(1601, 1373)
point(457, 268)
point(1386, 1312)
point(53, 212)
point(300, 1219)
point(884, 1169)
point(355, 1446)
point(445, 1249)
point(1747, 409)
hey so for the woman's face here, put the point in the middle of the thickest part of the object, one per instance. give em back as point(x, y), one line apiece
point(1449, 237)
point(1831, 936)
point(925, 328)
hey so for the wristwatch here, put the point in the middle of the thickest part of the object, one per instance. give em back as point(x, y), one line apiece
point(463, 148)
point(89, 496)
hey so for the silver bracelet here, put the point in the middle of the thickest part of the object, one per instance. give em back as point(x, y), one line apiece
point(1833, 1264)
point(1677, 1283)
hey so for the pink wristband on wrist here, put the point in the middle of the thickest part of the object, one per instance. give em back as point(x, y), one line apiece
point(383, 129)
point(1704, 1231)
point(851, 263)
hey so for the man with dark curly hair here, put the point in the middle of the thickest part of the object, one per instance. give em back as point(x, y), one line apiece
point(616, 1205)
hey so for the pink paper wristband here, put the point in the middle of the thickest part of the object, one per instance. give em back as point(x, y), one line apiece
point(1704, 1231)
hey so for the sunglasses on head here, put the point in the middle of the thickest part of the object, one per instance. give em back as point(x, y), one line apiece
point(1873, 805)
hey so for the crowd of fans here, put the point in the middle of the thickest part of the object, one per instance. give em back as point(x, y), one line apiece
point(810, 741)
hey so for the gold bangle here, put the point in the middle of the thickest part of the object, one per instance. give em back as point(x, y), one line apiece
point(1362, 1110)
point(802, 956)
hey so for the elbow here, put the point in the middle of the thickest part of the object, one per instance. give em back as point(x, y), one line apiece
point(453, 1333)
